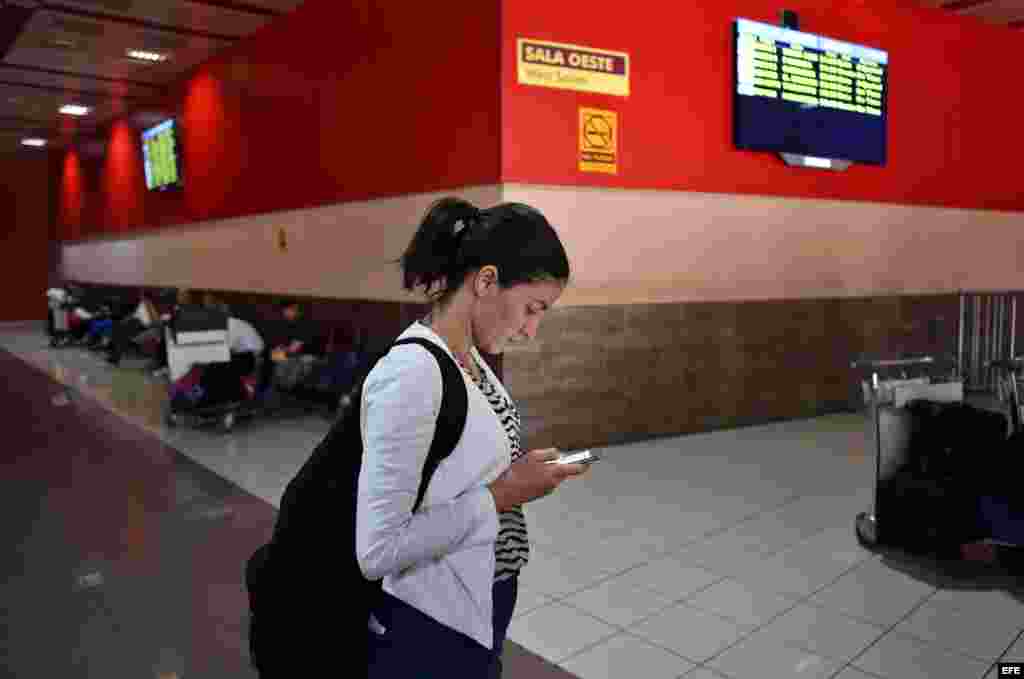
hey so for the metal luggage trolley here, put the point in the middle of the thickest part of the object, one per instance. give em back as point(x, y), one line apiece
point(60, 304)
point(891, 385)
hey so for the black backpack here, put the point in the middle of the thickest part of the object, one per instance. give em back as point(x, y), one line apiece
point(307, 594)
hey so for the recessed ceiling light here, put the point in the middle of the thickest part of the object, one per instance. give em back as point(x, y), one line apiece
point(144, 55)
point(31, 141)
point(75, 110)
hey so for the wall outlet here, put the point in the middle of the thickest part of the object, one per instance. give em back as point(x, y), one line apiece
point(282, 240)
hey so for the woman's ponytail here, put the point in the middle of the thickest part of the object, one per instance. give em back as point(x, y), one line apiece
point(432, 255)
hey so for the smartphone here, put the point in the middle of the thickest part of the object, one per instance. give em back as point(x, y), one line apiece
point(584, 457)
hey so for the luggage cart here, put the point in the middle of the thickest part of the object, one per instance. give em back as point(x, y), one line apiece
point(891, 385)
point(60, 306)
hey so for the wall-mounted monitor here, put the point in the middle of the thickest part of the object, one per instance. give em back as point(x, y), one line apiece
point(161, 154)
point(800, 93)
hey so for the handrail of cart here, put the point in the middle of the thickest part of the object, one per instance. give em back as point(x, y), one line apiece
point(897, 362)
point(1009, 364)
point(875, 388)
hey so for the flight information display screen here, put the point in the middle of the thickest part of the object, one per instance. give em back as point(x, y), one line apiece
point(160, 156)
point(807, 94)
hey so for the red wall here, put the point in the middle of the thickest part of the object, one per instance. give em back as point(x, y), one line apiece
point(954, 107)
point(25, 233)
point(334, 102)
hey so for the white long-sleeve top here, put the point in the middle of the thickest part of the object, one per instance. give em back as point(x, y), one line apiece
point(440, 560)
point(242, 337)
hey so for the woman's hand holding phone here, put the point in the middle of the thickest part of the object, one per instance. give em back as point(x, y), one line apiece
point(532, 477)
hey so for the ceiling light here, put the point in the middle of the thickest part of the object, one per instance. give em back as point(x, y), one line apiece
point(75, 110)
point(31, 141)
point(143, 55)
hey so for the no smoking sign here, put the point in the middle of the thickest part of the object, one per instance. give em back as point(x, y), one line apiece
point(599, 141)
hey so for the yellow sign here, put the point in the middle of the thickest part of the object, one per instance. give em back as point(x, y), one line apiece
point(572, 67)
point(599, 141)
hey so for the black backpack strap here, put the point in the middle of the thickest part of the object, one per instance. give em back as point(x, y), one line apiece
point(451, 421)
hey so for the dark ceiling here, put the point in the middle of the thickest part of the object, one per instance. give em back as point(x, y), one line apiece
point(77, 52)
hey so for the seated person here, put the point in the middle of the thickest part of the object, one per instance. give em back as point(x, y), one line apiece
point(99, 332)
point(292, 335)
point(125, 331)
point(88, 315)
point(329, 380)
point(214, 302)
point(295, 346)
point(245, 344)
point(227, 382)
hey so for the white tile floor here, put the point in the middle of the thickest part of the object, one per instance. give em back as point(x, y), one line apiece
point(728, 555)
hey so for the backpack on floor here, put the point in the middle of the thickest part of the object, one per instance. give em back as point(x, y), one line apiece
point(308, 597)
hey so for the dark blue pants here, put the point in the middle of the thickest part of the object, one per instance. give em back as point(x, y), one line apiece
point(416, 646)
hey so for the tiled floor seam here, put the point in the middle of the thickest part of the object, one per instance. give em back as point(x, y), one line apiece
point(886, 633)
point(625, 630)
point(1017, 638)
point(925, 640)
point(744, 637)
point(682, 602)
point(1002, 656)
point(797, 602)
point(715, 532)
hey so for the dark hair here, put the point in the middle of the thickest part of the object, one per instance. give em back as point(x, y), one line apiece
point(211, 301)
point(455, 237)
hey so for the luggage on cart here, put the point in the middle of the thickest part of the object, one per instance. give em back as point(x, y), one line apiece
point(926, 442)
point(197, 347)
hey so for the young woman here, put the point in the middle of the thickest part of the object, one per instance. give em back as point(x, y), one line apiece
point(450, 570)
